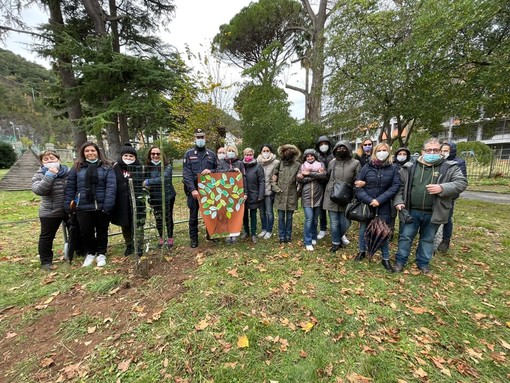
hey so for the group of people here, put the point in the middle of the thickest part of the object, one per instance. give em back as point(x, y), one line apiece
point(98, 193)
point(427, 187)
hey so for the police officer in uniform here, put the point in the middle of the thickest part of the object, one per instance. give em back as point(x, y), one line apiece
point(198, 160)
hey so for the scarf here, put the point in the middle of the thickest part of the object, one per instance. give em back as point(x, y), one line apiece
point(315, 166)
point(91, 181)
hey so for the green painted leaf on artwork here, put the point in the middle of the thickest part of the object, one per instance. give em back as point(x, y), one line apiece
point(207, 212)
point(202, 191)
point(206, 205)
point(239, 177)
point(228, 214)
point(203, 199)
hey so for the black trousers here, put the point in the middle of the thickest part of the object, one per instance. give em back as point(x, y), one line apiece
point(169, 219)
point(93, 231)
point(193, 217)
point(49, 228)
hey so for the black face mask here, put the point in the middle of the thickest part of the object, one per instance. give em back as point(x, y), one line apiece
point(287, 156)
point(341, 155)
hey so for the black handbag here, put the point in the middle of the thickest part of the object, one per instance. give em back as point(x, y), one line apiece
point(358, 211)
point(341, 192)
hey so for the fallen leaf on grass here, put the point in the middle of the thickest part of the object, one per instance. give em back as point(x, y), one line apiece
point(420, 373)
point(306, 327)
point(202, 325)
point(10, 335)
point(243, 342)
point(504, 344)
point(124, 365)
point(357, 378)
point(418, 310)
point(303, 354)
point(47, 362)
point(48, 301)
point(233, 273)
point(114, 291)
point(91, 329)
point(40, 307)
point(231, 365)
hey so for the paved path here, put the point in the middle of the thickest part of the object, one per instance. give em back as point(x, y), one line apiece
point(486, 196)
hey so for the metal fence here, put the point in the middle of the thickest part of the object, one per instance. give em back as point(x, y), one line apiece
point(498, 166)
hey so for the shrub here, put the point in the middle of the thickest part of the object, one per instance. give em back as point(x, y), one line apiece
point(7, 155)
point(483, 152)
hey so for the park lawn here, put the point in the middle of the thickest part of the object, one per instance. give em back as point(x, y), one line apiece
point(262, 313)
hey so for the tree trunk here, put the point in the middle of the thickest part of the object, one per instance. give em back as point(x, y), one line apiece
point(317, 46)
point(64, 68)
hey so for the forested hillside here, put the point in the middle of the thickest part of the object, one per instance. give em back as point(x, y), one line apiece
point(23, 111)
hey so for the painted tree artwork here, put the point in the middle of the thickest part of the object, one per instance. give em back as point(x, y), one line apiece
point(221, 203)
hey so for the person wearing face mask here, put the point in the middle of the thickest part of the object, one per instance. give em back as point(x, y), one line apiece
point(324, 149)
point(197, 161)
point(92, 185)
point(342, 168)
point(429, 186)
point(231, 162)
point(311, 175)
point(128, 167)
point(267, 160)
point(364, 152)
point(157, 169)
point(221, 154)
point(401, 157)
point(449, 152)
point(255, 187)
point(49, 183)
point(381, 181)
point(283, 184)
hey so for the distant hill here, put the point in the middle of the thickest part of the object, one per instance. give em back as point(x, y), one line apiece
point(23, 88)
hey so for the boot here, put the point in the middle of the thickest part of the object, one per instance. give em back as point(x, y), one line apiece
point(361, 255)
point(387, 265)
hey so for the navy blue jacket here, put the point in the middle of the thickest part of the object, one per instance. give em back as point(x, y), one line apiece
point(382, 184)
point(195, 161)
point(153, 177)
point(105, 190)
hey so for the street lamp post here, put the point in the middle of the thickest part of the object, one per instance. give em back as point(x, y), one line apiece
point(13, 130)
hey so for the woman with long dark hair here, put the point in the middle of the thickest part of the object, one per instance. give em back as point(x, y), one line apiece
point(91, 186)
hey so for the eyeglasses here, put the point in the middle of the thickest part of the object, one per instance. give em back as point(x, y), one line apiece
point(155, 154)
point(432, 150)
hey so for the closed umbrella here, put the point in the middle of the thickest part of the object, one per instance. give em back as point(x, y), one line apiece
point(72, 235)
point(376, 233)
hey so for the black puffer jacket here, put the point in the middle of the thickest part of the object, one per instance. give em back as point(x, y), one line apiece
point(255, 184)
point(122, 214)
point(105, 190)
point(154, 183)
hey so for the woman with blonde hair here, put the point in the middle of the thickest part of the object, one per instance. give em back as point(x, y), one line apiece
point(365, 151)
point(377, 183)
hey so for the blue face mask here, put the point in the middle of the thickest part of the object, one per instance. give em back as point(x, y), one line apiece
point(92, 161)
point(432, 158)
point(200, 142)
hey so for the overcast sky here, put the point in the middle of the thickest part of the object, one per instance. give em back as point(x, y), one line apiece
point(195, 24)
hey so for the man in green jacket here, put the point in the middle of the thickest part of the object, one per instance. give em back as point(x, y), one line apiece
point(428, 189)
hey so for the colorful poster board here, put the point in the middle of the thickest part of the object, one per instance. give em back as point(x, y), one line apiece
point(221, 203)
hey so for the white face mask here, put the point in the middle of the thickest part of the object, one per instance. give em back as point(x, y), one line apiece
point(129, 162)
point(381, 156)
point(266, 155)
point(156, 162)
point(401, 158)
point(221, 156)
point(231, 155)
point(49, 165)
point(324, 148)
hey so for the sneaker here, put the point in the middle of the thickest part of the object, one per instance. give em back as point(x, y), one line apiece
point(443, 247)
point(46, 267)
point(322, 234)
point(243, 236)
point(345, 241)
point(89, 259)
point(309, 247)
point(169, 243)
point(101, 260)
point(268, 235)
point(254, 238)
point(314, 242)
point(160, 243)
point(262, 234)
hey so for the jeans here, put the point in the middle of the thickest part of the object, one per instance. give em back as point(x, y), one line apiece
point(310, 226)
point(385, 247)
point(250, 222)
point(339, 226)
point(93, 231)
point(285, 224)
point(49, 227)
point(425, 250)
point(448, 227)
point(267, 214)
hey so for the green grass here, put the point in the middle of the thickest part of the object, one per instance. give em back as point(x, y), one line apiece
point(450, 326)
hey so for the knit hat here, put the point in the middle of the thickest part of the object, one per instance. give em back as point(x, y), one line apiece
point(128, 149)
